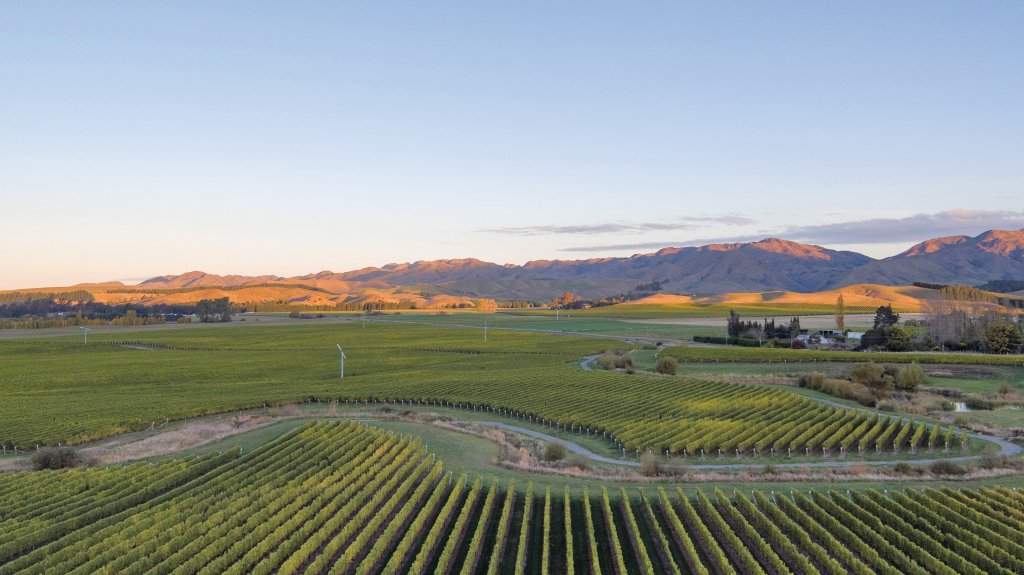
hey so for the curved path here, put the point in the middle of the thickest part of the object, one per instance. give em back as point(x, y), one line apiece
point(584, 452)
point(587, 363)
point(1006, 448)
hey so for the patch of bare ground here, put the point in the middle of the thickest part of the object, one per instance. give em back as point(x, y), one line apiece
point(186, 436)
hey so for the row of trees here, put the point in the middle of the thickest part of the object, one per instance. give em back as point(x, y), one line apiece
point(951, 327)
point(767, 330)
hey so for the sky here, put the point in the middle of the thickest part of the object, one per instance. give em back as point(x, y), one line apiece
point(148, 138)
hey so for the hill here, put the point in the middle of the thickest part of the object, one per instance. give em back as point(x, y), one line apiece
point(756, 269)
point(993, 255)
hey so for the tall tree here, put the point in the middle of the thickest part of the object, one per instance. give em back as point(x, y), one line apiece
point(734, 325)
point(568, 298)
point(885, 317)
point(840, 313)
point(1002, 337)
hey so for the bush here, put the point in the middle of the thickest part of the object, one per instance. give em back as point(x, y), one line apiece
point(911, 377)
point(667, 365)
point(56, 458)
point(579, 463)
point(992, 462)
point(1004, 388)
point(650, 465)
point(867, 374)
point(961, 421)
point(880, 380)
point(899, 340)
point(615, 359)
point(980, 403)
point(947, 468)
point(554, 451)
point(837, 387)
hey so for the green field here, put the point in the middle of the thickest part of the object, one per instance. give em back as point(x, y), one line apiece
point(58, 390)
point(568, 324)
point(345, 498)
point(662, 311)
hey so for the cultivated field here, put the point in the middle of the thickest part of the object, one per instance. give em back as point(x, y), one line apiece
point(363, 493)
point(59, 390)
point(345, 498)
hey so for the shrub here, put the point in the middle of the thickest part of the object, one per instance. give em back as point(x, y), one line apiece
point(992, 462)
point(56, 458)
point(899, 340)
point(1004, 388)
point(961, 421)
point(554, 451)
point(867, 374)
point(837, 387)
point(615, 359)
point(813, 380)
point(944, 467)
point(980, 403)
point(579, 463)
point(650, 465)
point(911, 377)
point(667, 365)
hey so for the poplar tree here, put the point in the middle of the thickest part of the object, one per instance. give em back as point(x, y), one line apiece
point(840, 313)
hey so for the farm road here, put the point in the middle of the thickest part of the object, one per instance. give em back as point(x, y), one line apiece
point(584, 452)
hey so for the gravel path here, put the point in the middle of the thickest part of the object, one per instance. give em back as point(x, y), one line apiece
point(1006, 448)
point(587, 363)
point(584, 452)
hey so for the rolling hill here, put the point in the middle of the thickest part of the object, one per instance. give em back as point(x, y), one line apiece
point(993, 255)
point(742, 271)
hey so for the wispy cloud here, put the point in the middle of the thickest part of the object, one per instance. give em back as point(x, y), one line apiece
point(915, 228)
point(659, 245)
point(678, 224)
point(918, 227)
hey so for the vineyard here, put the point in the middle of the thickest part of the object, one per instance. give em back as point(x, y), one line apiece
point(779, 355)
point(86, 392)
point(714, 309)
point(346, 498)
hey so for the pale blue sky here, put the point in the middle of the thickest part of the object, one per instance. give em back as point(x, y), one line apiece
point(142, 138)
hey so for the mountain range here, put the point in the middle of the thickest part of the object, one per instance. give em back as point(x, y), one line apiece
point(766, 265)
